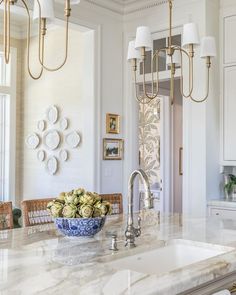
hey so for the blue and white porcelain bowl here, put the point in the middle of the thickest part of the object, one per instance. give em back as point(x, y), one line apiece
point(80, 227)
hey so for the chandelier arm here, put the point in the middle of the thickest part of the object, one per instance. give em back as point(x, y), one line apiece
point(142, 98)
point(144, 83)
point(35, 77)
point(66, 50)
point(208, 87)
point(156, 56)
point(172, 81)
point(154, 95)
point(190, 62)
point(7, 31)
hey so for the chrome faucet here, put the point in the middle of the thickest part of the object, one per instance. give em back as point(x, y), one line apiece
point(131, 232)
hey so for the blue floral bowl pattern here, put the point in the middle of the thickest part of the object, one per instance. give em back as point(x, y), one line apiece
point(80, 227)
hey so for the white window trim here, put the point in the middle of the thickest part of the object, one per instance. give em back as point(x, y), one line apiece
point(11, 90)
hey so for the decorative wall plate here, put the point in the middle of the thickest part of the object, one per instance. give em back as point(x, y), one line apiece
point(73, 139)
point(52, 139)
point(52, 114)
point(63, 155)
point(41, 125)
point(41, 155)
point(32, 141)
point(52, 165)
point(64, 124)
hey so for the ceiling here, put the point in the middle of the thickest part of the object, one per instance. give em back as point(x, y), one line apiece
point(118, 6)
point(126, 6)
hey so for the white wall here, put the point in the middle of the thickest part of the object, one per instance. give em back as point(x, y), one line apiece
point(108, 87)
point(90, 88)
point(214, 178)
point(71, 89)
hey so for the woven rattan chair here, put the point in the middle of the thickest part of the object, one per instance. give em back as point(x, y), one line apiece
point(35, 212)
point(116, 200)
point(6, 217)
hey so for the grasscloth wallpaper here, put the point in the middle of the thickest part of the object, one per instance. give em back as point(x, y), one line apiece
point(149, 139)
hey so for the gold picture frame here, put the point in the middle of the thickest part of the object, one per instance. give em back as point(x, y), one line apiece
point(113, 149)
point(112, 123)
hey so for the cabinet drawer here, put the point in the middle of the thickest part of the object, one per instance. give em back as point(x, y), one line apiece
point(223, 213)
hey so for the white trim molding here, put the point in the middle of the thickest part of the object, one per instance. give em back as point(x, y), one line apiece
point(126, 6)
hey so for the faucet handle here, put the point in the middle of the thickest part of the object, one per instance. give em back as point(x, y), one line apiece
point(114, 243)
point(138, 229)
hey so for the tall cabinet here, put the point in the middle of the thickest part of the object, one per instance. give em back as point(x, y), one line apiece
point(228, 85)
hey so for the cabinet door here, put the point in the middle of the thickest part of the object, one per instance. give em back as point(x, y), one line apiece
point(230, 39)
point(229, 114)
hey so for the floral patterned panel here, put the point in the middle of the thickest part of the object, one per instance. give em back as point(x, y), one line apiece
point(149, 139)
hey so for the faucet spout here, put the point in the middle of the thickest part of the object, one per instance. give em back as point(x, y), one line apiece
point(131, 232)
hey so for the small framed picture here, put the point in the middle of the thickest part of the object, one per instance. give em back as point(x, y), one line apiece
point(113, 123)
point(113, 149)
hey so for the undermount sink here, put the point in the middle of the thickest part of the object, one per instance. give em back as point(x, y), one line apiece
point(174, 255)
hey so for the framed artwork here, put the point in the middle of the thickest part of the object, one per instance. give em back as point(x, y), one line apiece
point(113, 123)
point(113, 149)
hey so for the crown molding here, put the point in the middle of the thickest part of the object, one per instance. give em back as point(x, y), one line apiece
point(140, 5)
point(114, 6)
point(125, 7)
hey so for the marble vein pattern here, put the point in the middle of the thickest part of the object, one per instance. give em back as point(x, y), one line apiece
point(38, 260)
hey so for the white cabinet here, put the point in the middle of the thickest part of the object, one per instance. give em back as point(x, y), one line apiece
point(229, 114)
point(230, 39)
point(228, 87)
point(222, 209)
point(222, 213)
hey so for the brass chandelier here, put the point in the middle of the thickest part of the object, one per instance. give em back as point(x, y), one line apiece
point(44, 13)
point(175, 54)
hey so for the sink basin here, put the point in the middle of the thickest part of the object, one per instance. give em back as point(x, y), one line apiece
point(174, 255)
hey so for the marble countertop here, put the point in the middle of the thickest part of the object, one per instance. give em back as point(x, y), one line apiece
point(222, 203)
point(38, 260)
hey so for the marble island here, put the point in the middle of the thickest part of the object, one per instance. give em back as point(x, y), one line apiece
point(38, 260)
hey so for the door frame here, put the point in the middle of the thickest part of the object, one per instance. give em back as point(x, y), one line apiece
point(166, 204)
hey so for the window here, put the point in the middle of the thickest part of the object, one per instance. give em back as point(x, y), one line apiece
point(7, 127)
point(4, 146)
point(158, 44)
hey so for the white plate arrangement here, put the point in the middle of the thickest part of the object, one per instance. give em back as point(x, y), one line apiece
point(73, 139)
point(64, 124)
point(63, 155)
point(52, 114)
point(41, 155)
point(52, 139)
point(41, 125)
point(32, 141)
point(52, 165)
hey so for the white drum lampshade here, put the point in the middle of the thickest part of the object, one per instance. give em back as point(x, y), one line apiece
point(176, 59)
point(143, 38)
point(47, 9)
point(74, 2)
point(190, 35)
point(133, 52)
point(208, 47)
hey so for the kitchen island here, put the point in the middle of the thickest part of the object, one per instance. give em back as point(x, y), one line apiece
point(38, 260)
